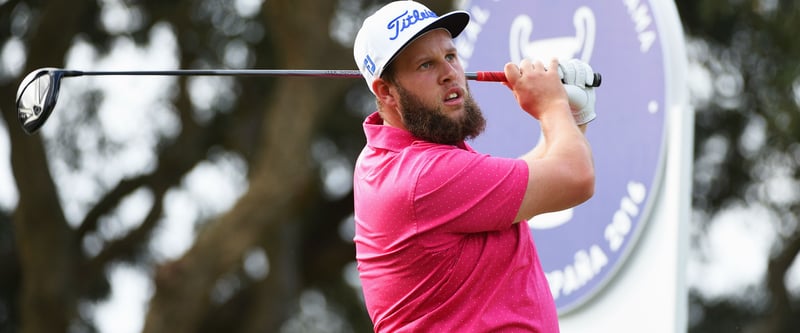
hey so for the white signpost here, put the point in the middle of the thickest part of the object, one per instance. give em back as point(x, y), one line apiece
point(617, 262)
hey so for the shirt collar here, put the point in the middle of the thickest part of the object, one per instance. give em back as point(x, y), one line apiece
point(381, 136)
point(387, 137)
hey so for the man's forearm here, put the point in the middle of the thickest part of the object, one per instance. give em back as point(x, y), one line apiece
point(541, 147)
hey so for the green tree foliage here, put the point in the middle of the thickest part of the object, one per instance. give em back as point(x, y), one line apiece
point(746, 145)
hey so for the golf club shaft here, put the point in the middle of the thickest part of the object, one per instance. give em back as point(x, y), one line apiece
point(479, 76)
point(488, 76)
point(220, 72)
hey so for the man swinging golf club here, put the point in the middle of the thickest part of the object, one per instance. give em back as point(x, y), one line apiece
point(438, 240)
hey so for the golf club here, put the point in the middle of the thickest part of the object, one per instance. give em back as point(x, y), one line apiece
point(38, 91)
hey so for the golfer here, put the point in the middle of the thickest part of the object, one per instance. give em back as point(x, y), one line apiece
point(442, 242)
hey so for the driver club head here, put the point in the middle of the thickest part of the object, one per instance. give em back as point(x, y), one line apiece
point(36, 98)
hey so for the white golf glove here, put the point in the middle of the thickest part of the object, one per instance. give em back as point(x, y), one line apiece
point(577, 75)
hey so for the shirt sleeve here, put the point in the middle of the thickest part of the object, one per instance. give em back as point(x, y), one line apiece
point(465, 192)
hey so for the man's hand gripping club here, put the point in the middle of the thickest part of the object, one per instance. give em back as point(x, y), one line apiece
point(536, 88)
point(576, 77)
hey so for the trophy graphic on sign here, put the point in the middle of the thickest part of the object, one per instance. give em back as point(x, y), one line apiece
point(579, 46)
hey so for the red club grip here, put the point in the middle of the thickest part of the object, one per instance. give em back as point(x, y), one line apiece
point(491, 76)
point(501, 77)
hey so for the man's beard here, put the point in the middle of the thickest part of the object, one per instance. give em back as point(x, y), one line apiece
point(432, 124)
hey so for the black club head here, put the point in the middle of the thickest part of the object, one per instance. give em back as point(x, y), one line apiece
point(36, 98)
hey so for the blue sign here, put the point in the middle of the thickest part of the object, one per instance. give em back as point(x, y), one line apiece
point(582, 248)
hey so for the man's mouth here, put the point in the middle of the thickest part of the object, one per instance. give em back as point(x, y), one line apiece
point(454, 95)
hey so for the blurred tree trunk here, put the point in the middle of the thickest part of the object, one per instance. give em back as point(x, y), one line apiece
point(49, 255)
point(278, 184)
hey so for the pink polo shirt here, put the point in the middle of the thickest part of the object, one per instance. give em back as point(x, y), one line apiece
point(436, 245)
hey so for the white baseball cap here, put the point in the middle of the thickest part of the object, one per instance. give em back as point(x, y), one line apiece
point(389, 30)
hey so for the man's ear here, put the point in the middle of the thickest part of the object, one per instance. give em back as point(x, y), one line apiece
point(388, 104)
point(383, 92)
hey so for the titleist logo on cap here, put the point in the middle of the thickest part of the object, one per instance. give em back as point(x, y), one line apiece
point(405, 20)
